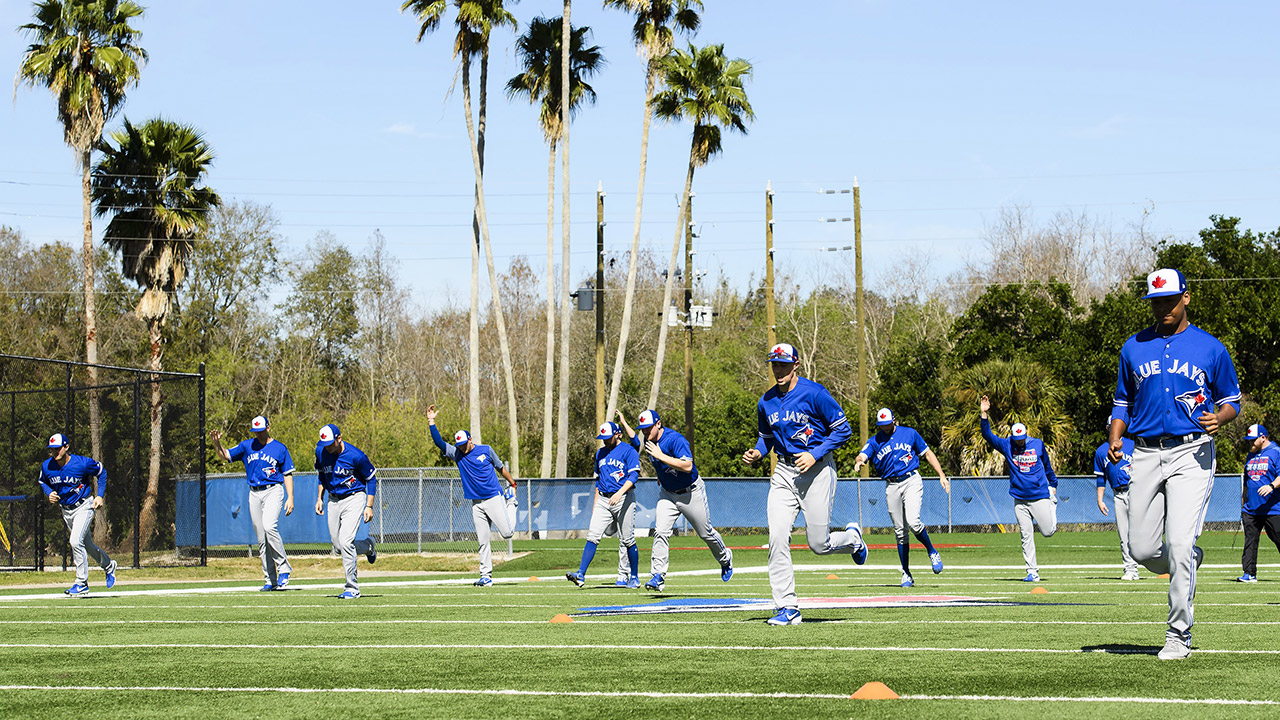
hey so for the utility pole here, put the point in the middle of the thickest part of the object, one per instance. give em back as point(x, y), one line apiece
point(862, 321)
point(688, 323)
point(768, 264)
point(599, 292)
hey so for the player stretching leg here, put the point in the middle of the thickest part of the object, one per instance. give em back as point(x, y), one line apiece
point(269, 470)
point(1032, 484)
point(1176, 386)
point(67, 479)
point(1261, 507)
point(799, 420)
point(617, 465)
point(895, 451)
point(479, 466)
point(352, 482)
point(1118, 475)
point(682, 492)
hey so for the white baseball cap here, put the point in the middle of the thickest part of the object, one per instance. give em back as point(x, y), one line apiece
point(57, 440)
point(328, 434)
point(1256, 431)
point(648, 419)
point(1018, 431)
point(607, 430)
point(783, 352)
point(1165, 282)
point(884, 417)
point(460, 438)
point(258, 424)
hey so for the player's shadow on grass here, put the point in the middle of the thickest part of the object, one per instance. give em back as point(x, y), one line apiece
point(1123, 649)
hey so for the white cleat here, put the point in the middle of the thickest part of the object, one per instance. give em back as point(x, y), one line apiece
point(1130, 575)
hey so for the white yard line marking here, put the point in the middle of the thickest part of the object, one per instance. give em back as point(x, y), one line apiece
point(1144, 700)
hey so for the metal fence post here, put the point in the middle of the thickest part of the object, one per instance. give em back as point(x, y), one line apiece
point(450, 508)
point(382, 526)
point(858, 481)
point(528, 484)
point(419, 509)
point(949, 511)
point(204, 479)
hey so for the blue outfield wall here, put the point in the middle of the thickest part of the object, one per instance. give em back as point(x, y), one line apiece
point(410, 507)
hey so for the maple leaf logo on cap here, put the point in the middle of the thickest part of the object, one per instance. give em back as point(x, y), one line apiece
point(1159, 282)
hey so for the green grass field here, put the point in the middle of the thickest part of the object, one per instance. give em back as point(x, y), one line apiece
point(424, 645)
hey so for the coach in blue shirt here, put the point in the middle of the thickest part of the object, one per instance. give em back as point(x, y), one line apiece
point(1032, 483)
point(1176, 386)
point(1261, 500)
point(269, 471)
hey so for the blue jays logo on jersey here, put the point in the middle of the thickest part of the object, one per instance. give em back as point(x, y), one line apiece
point(1177, 367)
point(619, 475)
point(1191, 400)
point(804, 435)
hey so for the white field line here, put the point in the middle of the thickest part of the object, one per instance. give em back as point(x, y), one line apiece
point(424, 621)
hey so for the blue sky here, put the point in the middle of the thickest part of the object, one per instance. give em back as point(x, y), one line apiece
point(944, 111)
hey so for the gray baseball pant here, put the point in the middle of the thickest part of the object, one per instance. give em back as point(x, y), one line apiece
point(693, 505)
point(1121, 498)
point(265, 506)
point(483, 513)
point(1168, 497)
point(904, 499)
point(623, 514)
point(1045, 514)
point(790, 492)
point(345, 516)
point(79, 520)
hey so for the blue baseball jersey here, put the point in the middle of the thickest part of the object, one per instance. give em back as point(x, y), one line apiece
point(615, 467)
point(264, 465)
point(1030, 472)
point(346, 472)
point(1117, 474)
point(1164, 383)
point(672, 444)
point(805, 419)
point(72, 481)
point(895, 455)
point(1261, 468)
point(478, 468)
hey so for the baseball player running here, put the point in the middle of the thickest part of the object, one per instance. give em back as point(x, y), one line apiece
point(68, 480)
point(1175, 388)
point(799, 420)
point(479, 466)
point(352, 482)
point(617, 466)
point(1032, 484)
point(895, 451)
point(1117, 474)
point(269, 470)
point(1261, 507)
point(681, 492)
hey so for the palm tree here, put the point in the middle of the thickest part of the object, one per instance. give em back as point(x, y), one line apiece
point(566, 311)
point(538, 50)
point(706, 87)
point(476, 20)
point(151, 185)
point(654, 30)
point(1020, 391)
point(87, 54)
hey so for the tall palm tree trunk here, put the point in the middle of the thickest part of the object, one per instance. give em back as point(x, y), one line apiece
point(619, 359)
point(101, 530)
point(473, 334)
point(562, 422)
point(499, 315)
point(671, 277)
point(150, 499)
point(548, 377)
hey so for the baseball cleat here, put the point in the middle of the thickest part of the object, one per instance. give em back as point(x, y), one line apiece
point(372, 555)
point(282, 580)
point(655, 583)
point(267, 587)
point(1032, 576)
point(633, 583)
point(907, 580)
point(111, 575)
point(620, 583)
point(77, 590)
point(1130, 575)
point(349, 595)
point(726, 572)
point(1175, 649)
point(935, 558)
point(785, 616)
point(1247, 578)
point(576, 578)
point(860, 551)
point(484, 581)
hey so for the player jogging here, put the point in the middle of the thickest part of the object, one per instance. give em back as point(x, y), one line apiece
point(681, 492)
point(269, 470)
point(352, 482)
point(617, 466)
point(799, 420)
point(1261, 503)
point(479, 466)
point(895, 451)
point(68, 480)
point(1176, 386)
point(1118, 475)
point(1032, 484)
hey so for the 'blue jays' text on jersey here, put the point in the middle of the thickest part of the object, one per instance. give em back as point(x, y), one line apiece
point(616, 467)
point(1118, 474)
point(806, 419)
point(478, 468)
point(346, 472)
point(1030, 472)
point(263, 464)
point(672, 444)
point(1261, 468)
point(895, 456)
point(71, 481)
point(1165, 383)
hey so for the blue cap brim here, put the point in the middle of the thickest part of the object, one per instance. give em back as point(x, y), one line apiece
point(1162, 293)
point(326, 443)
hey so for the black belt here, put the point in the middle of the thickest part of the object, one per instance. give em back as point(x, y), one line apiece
point(900, 478)
point(83, 500)
point(1121, 489)
point(1166, 442)
point(681, 491)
